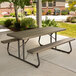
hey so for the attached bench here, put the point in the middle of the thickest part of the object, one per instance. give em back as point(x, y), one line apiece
point(9, 40)
point(49, 46)
point(37, 50)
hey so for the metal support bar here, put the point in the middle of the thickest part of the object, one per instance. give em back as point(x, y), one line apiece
point(39, 41)
point(68, 52)
point(23, 50)
point(55, 38)
point(50, 38)
point(23, 55)
point(8, 48)
point(55, 48)
point(19, 48)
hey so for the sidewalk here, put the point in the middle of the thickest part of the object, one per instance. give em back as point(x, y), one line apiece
point(3, 29)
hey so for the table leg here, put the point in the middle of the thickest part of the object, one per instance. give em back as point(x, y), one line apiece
point(60, 49)
point(23, 50)
point(55, 38)
point(50, 38)
point(39, 41)
point(19, 48)
point(23, 59)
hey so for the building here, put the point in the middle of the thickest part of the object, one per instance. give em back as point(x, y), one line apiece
point(8, 7)
point(52, 5)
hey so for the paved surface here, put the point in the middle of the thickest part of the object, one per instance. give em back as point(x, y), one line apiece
point(10, 66)
point(3, 29)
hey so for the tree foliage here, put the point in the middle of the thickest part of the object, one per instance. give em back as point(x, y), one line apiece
point(72, 5)
point(22, 3)
point(3, 1)
point(47, 0)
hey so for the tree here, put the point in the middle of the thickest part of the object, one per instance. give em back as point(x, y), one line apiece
point(22, 3)
point(19, 3)
point(47, 0)
point(3, 1)
point(72, 5)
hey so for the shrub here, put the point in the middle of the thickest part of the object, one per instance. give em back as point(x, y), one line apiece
point(73, 19)
point(27, 23)
point(17, 26)
point(69, 19)
point(48, 22)
point(34, 11)
point(29, 12)
point(49, 12)
point(12, 14)
point(6, 16)
point(8, 22)
point(20, 14)
point(53, 23)
point(64, 12)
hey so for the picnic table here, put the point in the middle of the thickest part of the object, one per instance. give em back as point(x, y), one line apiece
point(38, 32)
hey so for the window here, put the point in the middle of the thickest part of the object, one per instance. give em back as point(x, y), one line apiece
point(43, 4)
point(50, 4)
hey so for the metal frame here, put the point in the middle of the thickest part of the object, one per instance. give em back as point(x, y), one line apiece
point(68, 52)
point(55, 48)
point(39, 41)
point(23, 47)
point(19, 57)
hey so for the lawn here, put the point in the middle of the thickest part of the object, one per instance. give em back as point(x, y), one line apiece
point(70, 29)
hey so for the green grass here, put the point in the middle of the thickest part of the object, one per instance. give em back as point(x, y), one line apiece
point(2, 21)
point(70, 29)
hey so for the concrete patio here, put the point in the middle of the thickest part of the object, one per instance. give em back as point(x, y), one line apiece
point(10, 66)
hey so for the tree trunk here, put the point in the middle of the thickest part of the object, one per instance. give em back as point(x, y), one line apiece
point(16, 13)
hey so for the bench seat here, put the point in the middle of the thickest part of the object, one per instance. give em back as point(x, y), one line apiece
point(8, 40)
point(49, 46)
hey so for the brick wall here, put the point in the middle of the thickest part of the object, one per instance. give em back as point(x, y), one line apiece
point(45, 9)
point(6, 10)
point(52, 8)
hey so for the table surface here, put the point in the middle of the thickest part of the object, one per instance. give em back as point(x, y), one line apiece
point(27, 34)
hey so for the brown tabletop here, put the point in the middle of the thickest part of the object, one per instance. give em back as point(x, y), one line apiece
point(27, 34)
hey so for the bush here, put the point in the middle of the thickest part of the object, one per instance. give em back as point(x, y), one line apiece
point(12, 14)
point(27, 23)
point(64, 12)
point(6, 16)
point(34, 11)
point(48, 22)
point(29, 12)
point(17, 26)
point(69, 19)
point(49, 12)
point(20, 14)
point(73, 19)
point(8, 22)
